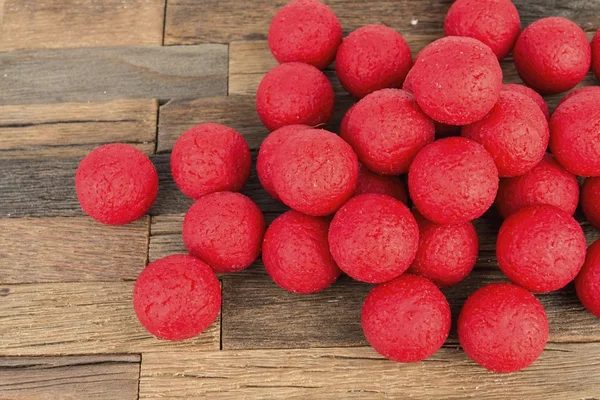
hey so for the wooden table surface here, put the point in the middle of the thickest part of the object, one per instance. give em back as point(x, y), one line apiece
point(75, 74)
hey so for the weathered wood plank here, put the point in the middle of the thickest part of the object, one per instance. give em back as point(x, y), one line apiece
point(102, 377)
point(101, 74)
point(80, 318)
point(73, 129)
point(567, 371)
point(586, 13)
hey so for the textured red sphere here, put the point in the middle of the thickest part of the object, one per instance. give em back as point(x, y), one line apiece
point(541, 248)
point(495, 23)
point(582, 90)
point(407, 319)
point(532, 94)
point(116, 184)
point(587, 283)
point(294, 94)
point(503, 327)
point(369, 182)
point(373, 238)
point(296, 253)
point(315, 172)
point(177, 297)
point(447, 253)
point(305, 31)
point(590, 200)
point(467, 89)
point(453, 180)
point(225, 230)
point(210, 158)
point(552, 55)
point(371, 58)
point(596, 54)
point(515, 132)
point(547, 183)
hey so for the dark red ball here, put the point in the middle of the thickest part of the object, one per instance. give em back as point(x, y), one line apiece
point(369, 182)
point(596, 54)
point(587, 283)
point(590, 200)
point(532, 94)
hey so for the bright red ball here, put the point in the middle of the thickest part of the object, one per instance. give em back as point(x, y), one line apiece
point(532, 94)
point(369, 182)
point(596, 54)
point(590, 200)
point(582, 90)
point(587, 283)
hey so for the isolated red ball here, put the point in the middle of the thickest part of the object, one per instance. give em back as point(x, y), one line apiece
point(596, 54)
point(369, 182)
point(495, 23)
point(453, 180)
point(503, 327)
point(225, 230)
point(177, 297)
point(296, 253)
point(371, 58)
point(315, 172)
point(547, 183)
point(552, 55)
point(456, 80)
point(407, 319)
point(210, 158)
point(116, 184)
point(373, 238)
point(582, 90)
point(266, 155)
point(515, 132)
point(294, 94)
point(590, 201)
point(532, 94)
point(541, 248)
point(305, 31)
point(587, 283)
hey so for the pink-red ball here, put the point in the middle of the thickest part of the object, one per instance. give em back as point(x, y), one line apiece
point(369, 182)
point(582, 90)
point(590, 200)
point(587, 283)
point(532, 94)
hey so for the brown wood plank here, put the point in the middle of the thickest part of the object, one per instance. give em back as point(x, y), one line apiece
point(102, 377)
point(80, 318)
point(73, 129)
point(101, 74)
point(568, 371)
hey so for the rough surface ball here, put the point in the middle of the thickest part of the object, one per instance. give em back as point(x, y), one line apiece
point(373, 238)
point(577, 92)
point(369, 182)
point(541, 248)
point(503, 327)
point(532, 94)
point(590, 201)
point(225, 230)
point(587, 283)
point(116, 184)
point(596, 54)
point(407, 319)
point(177, 297)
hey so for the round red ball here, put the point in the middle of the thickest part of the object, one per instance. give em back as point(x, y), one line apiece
point(582, 90)
point(552, 55)
point(587, 283)
point(503, 327)
point(596, 54)
point(541, 248)
point(369, 182)
point(407, 319)
point(116, 184)
point(294, 94)
point(590, 200)
point(371, 58)
point(453, 180)
point(373, 238)
point(177, 297)
point(532, 94)
point(296, 253)
point(225, 230)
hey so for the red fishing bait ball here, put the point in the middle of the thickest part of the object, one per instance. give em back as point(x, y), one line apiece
point(407, 319)
point(552, 55)
point(503, 327)
point(368, 182)
point(210, 158)
point(292, 94)
point(296, 253)
point(575, 134)
point(177, 297)
point(225, 230)
point(453, 180)
point(449, 97)
point(547, 183)
point(266, 155)
point(315, 172)
point(495, 23)
point(447, 253)
point(587, 283)
point(116, 184)
point(596, 54)
point(541, 248)
point(532, 94)
point(373, 238)
point(577, 92)
point(515, 132)
point(371, 58)
point(305, 31)
point(590, 200)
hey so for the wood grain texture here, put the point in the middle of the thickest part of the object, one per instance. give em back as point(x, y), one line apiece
point(103, 377)
point(80, 318)
point(101, 74)
point(73, 129)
